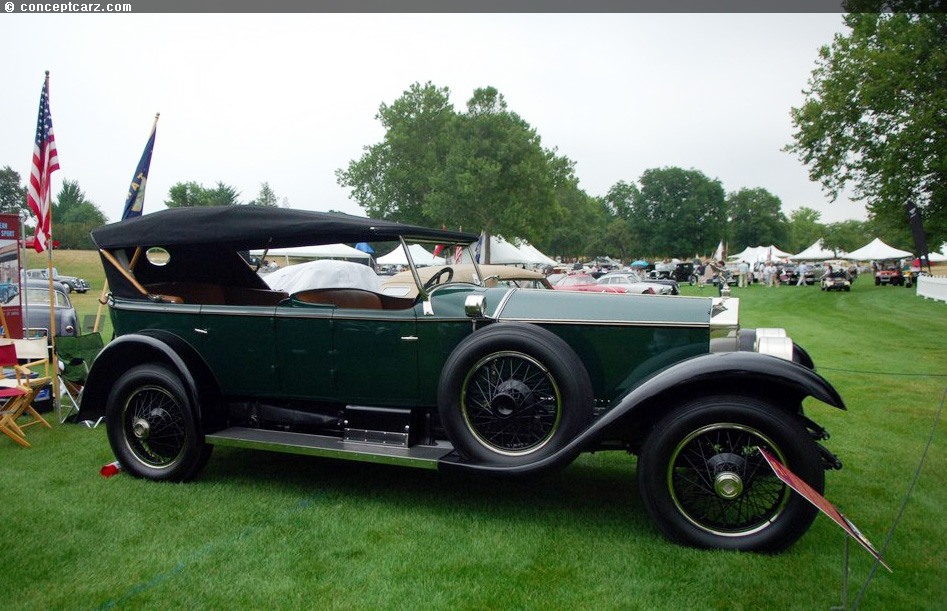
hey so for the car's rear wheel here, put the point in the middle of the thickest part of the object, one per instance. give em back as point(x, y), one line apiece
point(152, 426)
point(513, 394)
point(705, 484)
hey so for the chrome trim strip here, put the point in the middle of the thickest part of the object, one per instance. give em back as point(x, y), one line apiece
point(238, 310)
point(613, 323)
point(502, 304)
point(149, 306)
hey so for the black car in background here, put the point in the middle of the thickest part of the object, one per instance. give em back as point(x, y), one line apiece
point(70, 283)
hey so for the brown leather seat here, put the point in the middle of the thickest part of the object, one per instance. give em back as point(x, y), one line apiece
point(342, 298)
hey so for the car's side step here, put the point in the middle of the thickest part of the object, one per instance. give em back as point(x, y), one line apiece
point(419, 456)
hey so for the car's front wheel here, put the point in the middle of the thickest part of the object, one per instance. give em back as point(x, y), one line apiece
point(152, 426)
point(705, 483)
point(513, 394)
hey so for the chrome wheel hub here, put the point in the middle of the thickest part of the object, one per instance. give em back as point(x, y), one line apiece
point(141, 429)
point(728, 485)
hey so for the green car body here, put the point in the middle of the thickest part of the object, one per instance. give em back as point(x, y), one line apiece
point(464, 376)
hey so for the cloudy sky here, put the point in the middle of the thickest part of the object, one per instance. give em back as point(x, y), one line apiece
point(289, 99)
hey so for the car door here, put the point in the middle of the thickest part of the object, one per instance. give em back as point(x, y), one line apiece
point(349, 355)
point(238, 342)
point(376, 355)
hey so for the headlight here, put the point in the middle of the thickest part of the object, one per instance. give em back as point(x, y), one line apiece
point(781, 347)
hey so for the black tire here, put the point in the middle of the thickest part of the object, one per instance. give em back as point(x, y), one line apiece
point(705, 486)
point(152, 427)
point(513, 393)
point(692, 280)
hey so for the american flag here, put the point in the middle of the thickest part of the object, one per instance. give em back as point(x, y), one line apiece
point(45, 162)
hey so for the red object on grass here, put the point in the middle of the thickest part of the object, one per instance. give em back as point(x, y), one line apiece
point(113, 468)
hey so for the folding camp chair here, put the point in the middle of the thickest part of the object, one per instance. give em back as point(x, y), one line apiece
point(20, 389)
point(75, 357)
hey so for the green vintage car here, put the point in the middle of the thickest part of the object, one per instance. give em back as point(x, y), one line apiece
point(463, 375)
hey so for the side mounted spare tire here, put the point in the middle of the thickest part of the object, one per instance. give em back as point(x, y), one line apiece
point(512, 394)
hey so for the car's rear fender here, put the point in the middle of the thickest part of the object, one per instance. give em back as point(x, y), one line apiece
point(151, 346)
point(784, 382)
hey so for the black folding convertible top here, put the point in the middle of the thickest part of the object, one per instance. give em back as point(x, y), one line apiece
point(250, 227)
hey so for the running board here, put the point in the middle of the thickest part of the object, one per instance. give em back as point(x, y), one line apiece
point(418, 456)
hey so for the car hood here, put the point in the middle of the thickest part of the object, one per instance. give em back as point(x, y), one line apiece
point(576, 306)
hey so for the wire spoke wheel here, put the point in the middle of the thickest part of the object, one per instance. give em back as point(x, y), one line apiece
point(154, 426)
point(511, 403)
point(721, 483)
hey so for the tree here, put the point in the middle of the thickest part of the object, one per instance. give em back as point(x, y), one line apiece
point(679, 212)
point(804, 229)
point(846, 235)
point(391, 180)
point(185, 195)
point(496, 176)
point(484, 169)
point(266, 197)
point(874, 114)
point(74, 217)
point(578, 230)
point(222, 195)
point(755, 218)
point(12, 193)
point(626, 230)
point(188, 194)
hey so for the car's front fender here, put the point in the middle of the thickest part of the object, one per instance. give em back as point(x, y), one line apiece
point(149, 346)
point(786, 382)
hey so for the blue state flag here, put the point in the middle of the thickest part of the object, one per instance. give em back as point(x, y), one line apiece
point(136, 191)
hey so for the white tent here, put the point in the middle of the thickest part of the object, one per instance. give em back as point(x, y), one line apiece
point(322, 251)
point(505, 253)
point(501, 252)
point(816, 252)
point(419, 255)
point(877, 250)
point(758, 254)
point(535, 255)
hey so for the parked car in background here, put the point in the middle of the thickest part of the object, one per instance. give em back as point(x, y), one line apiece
point(679, 271)
point(71, 283)
point(8, 290)
point(463, 378)
point(890, 273)
point(664, 286)
point(35, 303)
point(790, 275)
point(589, 284)
point(837, 280)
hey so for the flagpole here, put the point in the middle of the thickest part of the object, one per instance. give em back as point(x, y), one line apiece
point(49, 272)
point(127, 211)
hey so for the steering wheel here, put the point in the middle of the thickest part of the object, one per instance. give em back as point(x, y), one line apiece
point(436, 278)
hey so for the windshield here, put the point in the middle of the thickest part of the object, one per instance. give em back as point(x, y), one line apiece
point(41, 297)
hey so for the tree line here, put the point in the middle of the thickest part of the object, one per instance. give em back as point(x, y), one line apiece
point(873, 120)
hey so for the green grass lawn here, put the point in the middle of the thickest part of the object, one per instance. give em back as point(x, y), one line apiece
point(261, 530)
